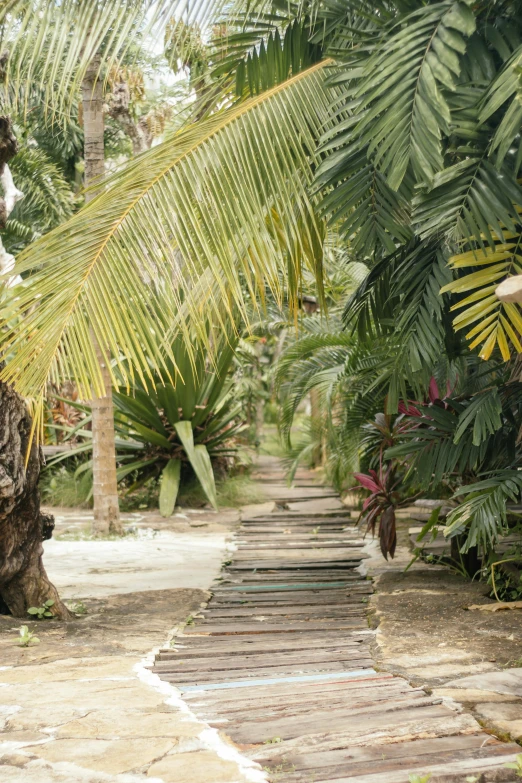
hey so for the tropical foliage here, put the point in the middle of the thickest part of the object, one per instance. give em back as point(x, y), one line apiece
point(169, 431)
point(396, 124)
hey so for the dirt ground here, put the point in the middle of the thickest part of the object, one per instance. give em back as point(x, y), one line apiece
point(111, 626)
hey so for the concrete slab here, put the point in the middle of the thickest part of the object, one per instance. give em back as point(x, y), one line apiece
point(150, 561)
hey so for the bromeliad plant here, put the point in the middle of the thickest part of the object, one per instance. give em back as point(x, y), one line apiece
point(162, 427)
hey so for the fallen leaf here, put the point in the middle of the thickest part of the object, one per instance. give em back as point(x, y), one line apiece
point(497, 607)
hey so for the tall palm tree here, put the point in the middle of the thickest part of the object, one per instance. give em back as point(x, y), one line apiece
point(105, 485)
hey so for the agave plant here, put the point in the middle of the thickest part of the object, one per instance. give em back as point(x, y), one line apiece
point(162, 426)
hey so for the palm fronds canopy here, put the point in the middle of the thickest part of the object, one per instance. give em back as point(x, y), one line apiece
point(53, 43)
point(201, 224)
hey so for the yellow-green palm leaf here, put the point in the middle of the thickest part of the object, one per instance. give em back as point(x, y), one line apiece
point(195, 228)
point(489, 321)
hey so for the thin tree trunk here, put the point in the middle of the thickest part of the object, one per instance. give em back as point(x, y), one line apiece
point(317, 429)
point(23, 580)
point(105, 488)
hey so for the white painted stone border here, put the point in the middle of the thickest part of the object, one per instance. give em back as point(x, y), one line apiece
point(208, 737)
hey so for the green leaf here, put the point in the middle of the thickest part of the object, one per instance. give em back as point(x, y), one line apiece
point(430, 524)
point(203, 469)
point(483, 414)
point(199, 459)
point(130, 468)
point(402, 92)
point(151, 436)
point(169, 487)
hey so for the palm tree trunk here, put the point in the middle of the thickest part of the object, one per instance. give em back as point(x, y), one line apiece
point(105, 489)
point(23, 580)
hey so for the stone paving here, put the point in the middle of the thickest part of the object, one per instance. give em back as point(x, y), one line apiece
point(83, 706)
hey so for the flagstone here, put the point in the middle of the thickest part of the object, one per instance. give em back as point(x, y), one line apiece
point(113, 724)
point(111, 756)
point(71, 669)
point(508, 681)
point(200, 766)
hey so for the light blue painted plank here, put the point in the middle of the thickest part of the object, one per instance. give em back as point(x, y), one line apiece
point(299, 586)
point(335, 676)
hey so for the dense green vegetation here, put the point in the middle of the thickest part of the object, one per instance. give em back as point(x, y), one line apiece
point(393, 127)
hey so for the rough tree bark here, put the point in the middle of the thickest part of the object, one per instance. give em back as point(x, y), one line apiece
point(23, 580)
point(105, 487)
point(119, 110)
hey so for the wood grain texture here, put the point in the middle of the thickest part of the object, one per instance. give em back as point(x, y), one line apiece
point(279, 660)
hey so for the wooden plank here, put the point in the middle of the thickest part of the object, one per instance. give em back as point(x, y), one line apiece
point(309, 691)
point(292, 565)
point(337, 597)
point(200, 647)
point(311, 759)
point(457, 769)
point(183, 664)
point(327, 579)
point(410, 763)
point(317, 626)
point(293, 598)
point(317, 610)
point(321, 721)
point(254, 710)
point(269, 681)
point(315, 554)
point(258, 673)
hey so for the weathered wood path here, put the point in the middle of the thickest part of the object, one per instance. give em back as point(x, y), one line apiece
point(279, 661)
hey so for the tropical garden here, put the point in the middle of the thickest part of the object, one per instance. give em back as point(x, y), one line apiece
point(303, 212)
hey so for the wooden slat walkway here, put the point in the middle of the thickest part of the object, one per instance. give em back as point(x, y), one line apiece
point(279, 661)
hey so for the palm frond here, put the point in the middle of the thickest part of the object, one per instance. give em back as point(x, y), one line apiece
point(482, 510)
point(400, 300)
point(200, 224)
point(506, 87)
point(263, 52)
point(490, 322)
point(431, 449)
point(47, 201)
point(358, 199)
point(315, 361)
point(401, 96)
point(52, 43)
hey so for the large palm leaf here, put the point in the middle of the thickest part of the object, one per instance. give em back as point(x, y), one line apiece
point(199, 224)
point(488, 321)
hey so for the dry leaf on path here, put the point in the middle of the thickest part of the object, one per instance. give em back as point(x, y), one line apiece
point(497, 607)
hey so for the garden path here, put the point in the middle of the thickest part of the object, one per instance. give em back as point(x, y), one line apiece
point(280, 660)
point(82, 706)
